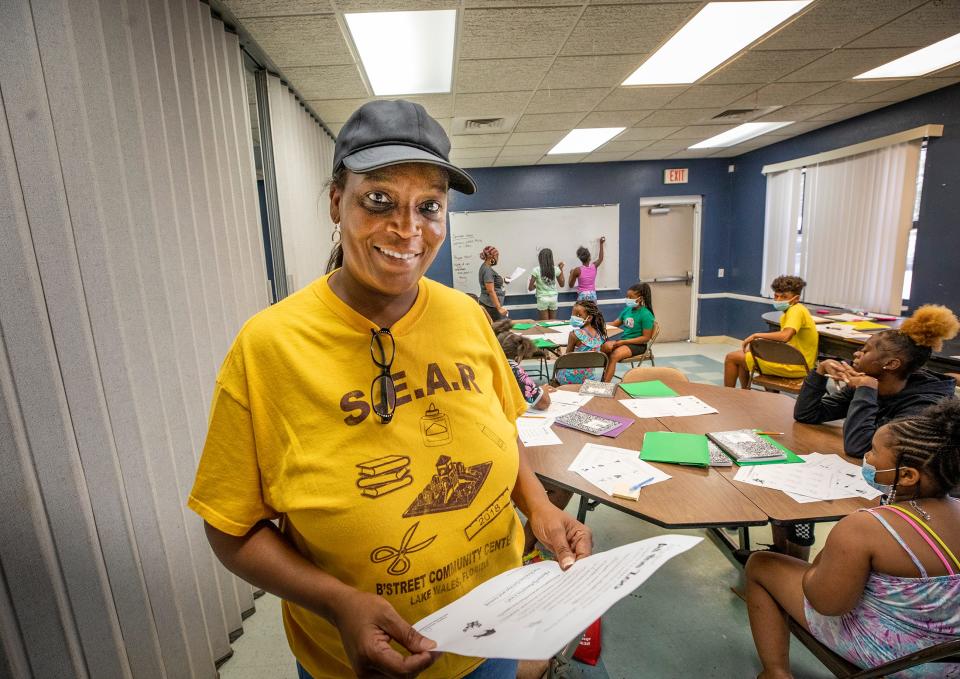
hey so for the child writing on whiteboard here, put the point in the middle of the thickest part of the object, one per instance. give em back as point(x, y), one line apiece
point(589, 333)
point(546, 278)
point(585, 275)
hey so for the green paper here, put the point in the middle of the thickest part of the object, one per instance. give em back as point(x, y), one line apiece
point(548, 324)
point(675, 448)
point(522, 326)
point(792, 457)
point(544, 344)
point(650, 389)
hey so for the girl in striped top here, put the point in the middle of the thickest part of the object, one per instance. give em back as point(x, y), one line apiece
point(887, 583)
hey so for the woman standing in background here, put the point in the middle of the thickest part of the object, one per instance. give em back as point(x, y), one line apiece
point(491, 284)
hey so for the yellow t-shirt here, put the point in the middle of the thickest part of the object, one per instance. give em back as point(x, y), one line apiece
point(417, 510)
point(806, 340)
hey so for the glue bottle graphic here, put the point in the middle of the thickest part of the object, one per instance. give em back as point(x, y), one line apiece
point(435, 427)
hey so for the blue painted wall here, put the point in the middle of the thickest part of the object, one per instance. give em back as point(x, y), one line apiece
point(936, 274)
point(624, 183)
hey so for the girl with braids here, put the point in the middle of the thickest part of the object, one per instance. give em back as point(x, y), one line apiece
point(517, 348)
point(589, 334)
point(887, 582)
point(546, 278)
point(886, 379)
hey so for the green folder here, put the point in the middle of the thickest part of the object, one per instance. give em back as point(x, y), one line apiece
point(522, 326)
point(544, 344)
point(675, 448)
point(652, 388)
point(792, 457)
point(548, 324)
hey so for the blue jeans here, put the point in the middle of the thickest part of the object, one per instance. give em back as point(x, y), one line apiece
point(496, 668)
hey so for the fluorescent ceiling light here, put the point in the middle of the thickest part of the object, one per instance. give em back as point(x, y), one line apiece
point(405, 52)
point(931, 58)
point(716, 33)
point(585, 140)
point(738, 134)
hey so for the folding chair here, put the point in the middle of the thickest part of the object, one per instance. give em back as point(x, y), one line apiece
point(580, 359)
point(647, 354)
point(946, 652)
point(776, 352)
point(644, 373)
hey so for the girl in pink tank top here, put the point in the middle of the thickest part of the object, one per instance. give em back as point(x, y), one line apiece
point(585, 276)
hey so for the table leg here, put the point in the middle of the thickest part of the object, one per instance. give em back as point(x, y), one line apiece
point(582, 509)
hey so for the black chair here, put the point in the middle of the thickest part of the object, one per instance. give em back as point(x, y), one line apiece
point(581, 359)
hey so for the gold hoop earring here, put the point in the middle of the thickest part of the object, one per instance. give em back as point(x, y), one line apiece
point(336, 236)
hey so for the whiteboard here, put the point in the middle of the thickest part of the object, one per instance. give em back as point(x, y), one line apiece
point(519, 235)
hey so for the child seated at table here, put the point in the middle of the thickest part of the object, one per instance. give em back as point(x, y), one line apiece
point(637, 321)
point(797, 329)
point(589, 333)
point(517, 348)
point(886, 380)
point(887, 582)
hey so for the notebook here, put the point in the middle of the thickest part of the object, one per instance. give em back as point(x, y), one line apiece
point(598, 388)
point(649, 389)
point(522, 326)
point(548, 324)
point(588, 422)
point(866, 325)
point(745, 445)
point(718, 458)
point(544, 344)
point(675, 448)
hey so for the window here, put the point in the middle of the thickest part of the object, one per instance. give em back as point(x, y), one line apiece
point(912, 240)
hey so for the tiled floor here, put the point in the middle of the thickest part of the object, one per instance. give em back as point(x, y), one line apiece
point(683, 622)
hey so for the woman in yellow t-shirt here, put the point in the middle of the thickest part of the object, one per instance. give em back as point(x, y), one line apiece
point(356, 413)
point(797, 328)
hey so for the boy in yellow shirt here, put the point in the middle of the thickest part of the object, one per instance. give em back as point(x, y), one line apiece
point(797, 328)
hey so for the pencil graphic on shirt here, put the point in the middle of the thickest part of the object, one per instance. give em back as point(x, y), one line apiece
point(384, 475)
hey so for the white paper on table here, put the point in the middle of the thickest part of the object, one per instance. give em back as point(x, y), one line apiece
point(560, 337)
point(514, 275)
point(563, 403)
point(677, 406)
point(845, 317)
point(607, 466)
point(531, 612)
point(536, 431)
point(821, 477)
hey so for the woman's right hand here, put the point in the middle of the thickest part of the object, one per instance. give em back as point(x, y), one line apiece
point(503, 311)
point(367, 624)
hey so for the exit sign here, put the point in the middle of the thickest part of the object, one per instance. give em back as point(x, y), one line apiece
point(677, 175)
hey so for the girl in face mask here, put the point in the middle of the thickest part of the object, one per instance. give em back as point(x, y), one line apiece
point(637, 321)
point(887, 582)
point(797, 328)
point(589, 332)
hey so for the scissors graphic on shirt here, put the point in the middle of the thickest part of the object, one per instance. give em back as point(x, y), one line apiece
point(399, 563)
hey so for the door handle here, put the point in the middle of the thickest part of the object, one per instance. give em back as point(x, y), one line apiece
point(685, 278)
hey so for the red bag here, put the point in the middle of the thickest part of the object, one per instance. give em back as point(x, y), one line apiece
point(588, 650)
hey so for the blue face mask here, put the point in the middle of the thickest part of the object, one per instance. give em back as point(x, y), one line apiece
point(781, 306)
point(633, 303)
point(576, 321)
point(870, 476)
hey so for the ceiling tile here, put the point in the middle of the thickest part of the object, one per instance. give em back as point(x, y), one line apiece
point(639, 98)
point(470, 141)
point(490, 104)
point(390, 5)
point(762, 66)
point(779, 94)
point(651, 154)
point(520, 3)
point(562, 158)
point(548, 121)
point(844, 63)
point(797, 112)
point(477, 162)
point(501, 75)
point(320, 82)
point(566, 101)
point(698, 132)
point(301, 40)
point(648, 133)
point(828, 25)
point(504, 161)
point(949, 72)
point(514, 32)
point(849, 111)
point(912, 88)
point(437, 105)
point(703, 96)
point(624, 145)
point(466, 154)
point(924, 26)
point(607, 156)
point(681, 116)
point(549, 137)
point(669, 145)
point(243, 9)
point(526, 150)
point(850, 91)
point(622, 29)
point(597, 71)
point(335, 110)
point(612, 118)
point(692, 153)
point(802, 128)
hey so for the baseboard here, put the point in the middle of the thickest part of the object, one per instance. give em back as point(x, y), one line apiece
point(718, 339)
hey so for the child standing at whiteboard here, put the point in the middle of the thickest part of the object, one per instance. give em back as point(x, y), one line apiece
point(545, 278)
point(585, 276)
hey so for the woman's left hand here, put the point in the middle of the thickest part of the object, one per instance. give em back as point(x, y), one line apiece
point(561, 533)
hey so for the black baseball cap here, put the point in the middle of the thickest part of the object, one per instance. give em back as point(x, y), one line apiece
point(390, 132)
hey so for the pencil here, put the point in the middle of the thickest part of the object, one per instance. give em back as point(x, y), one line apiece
point(770, 433)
